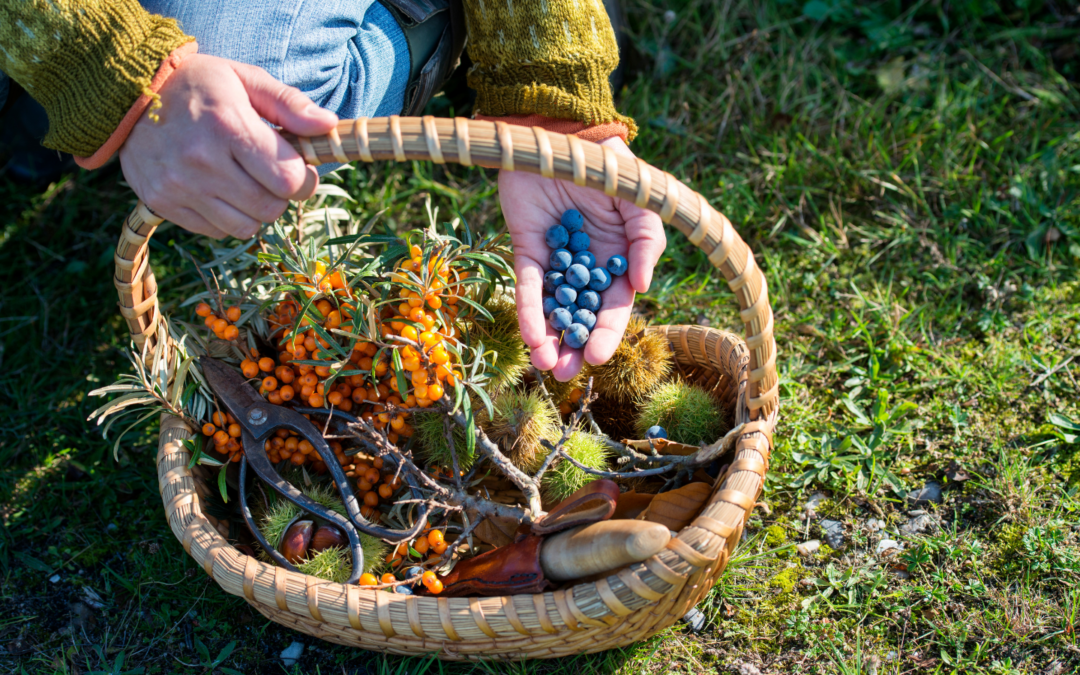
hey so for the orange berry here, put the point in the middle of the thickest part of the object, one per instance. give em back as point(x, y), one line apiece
point(202, 309)
point(368, 579)
point(439, 355)
point(421, 545)
point(274, 397)
point(440, 548)
point(220, 325)
point(416, 252)
point(266, 364)
point(429, 578)
point(208, 429)
point(315, 401)
point(230, 333)
point(385, 491)
point(322, 371)
point(575, 395)
point(372, 475)
point(433, 301)
point(409, 333)
point(218, 419)
point(335, 398)
point(435, 537)
point(388, 578)
point(371, 499)
point(298, 459)
point(235, 430)
point(209, 321)
point(221, 437)
point(233, 314)
point(284, 374)
point(397, 422)
point(305, 447)
point(269, 383)
point(435, 391)
point(436, 587)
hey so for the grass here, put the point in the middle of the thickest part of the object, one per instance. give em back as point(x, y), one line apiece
point(908, 176)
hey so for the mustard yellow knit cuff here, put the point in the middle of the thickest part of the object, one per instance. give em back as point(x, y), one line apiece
point(107, 63)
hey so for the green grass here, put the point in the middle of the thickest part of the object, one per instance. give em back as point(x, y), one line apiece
point(908, 177)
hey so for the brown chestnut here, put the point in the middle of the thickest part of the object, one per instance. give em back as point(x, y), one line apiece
point(294, 545)
point(326, 537)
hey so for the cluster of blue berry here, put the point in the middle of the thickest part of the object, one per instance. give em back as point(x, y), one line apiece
point(574, 281)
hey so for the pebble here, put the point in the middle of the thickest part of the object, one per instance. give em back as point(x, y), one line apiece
point(291, 654)
point(557, 237)
point(834, 533)
point(815, 500)
point(579, 241)
point(616, 264)
point(919, 525)
point(695, 619)
point(572, 220)
point(656, 431)
point(585, 258)
point(566, 294)
point(589, 300)
point(576, 335)
point(585, 318)
point(929, 494)
point(875, 524)
point(561, 319)
point(600, 279)
point(54, 578)
point(886, 545)
point(808, 548)
point(560, 259)
point(578, 276)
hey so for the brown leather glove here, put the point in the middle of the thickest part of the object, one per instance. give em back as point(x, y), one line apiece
point(591, 504)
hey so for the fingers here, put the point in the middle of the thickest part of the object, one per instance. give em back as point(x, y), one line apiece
point(645, 232)
point(282, 105)
point(228, 218)
point(271, 161)
point(610, 322)
point(569, 364)
point(193, 222)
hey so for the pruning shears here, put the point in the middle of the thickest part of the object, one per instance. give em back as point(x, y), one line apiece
point(259, 420)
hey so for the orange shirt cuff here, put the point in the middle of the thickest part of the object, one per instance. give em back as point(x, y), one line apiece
point(595, 133)
point(112, 145)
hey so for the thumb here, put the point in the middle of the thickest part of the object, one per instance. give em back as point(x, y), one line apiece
point(280, 104)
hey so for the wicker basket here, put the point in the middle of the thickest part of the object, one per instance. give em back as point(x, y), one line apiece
point(631, 605)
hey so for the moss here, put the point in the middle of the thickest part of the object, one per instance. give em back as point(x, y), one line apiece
point(775, 535)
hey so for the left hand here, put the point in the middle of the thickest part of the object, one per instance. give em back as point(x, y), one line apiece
point(531, 205)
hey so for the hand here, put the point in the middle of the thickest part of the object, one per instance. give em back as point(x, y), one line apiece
point(531, 205)
point(211, 165)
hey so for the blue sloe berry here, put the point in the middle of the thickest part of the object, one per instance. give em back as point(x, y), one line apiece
point(579, 241)
point(656, 432)
point(589, 300)
point(585, 258)
point(550, 305)
point(572, 220)
point(599, 280)
point(572, 307)
point(560, 319)
point(553, 280)
point(585, 318)
point(557, 237)
point(561, 259)
point(576, 336)
point(578, 276)
point(616, 264)
point(566, 294)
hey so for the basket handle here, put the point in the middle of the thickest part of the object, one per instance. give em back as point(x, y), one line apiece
point(497, 145)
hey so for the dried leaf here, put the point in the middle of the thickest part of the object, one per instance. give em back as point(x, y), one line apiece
point(675, 509)
point(631, 504)
point(497, 531)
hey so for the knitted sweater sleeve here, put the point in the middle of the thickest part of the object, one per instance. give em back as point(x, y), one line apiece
point(543, 57)
point(85, 61)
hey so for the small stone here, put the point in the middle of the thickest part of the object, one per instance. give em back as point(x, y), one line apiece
point(54, 578)
point(600, 279)
point(670, 16)
point(589, 300)
point(656, 431)
point(886, 545)
point(815, 500)
point(585, 318)
point(553, 280)
point(926, 523)
point(585, 258)
point(833, 530)
point(566, 294)
point(572, 220)
point(576, 336)
point(578, 276)
point(560, 259)
point(91, 598)
point(929, 494)
point(560, 319)
point(890, 656)
point(579, 241)
point(747, 669)
point(808, 548)
point(291, 654)
point(550, 305)
point(557, 237)
point(875, 524)
point(695, 620)
point(616, 264)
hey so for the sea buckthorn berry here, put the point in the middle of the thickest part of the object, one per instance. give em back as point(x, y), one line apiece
point(416, 252)
point(235, 430)
point(435, 537)
point(202, 309)
point(219, 419)
point(429, 578)
point(388, 578)
point(208, 429)
point(220, 325)
point(372, 475)
point(209, 321)
point(284, 374)
point(368, 579)
point(440, 548)
point(233, 314)
point(433, 301)
point(316, 401)
point(335, 398)
point(385, 491)
point(421, 546)
point(266, 364)
point(275, 398)
point(221, 437)
point(576, 394)
point(409, 332)
point(269, 383)
point(371, 499)
point(439, 355)
point(436, 587)
point(434, 391)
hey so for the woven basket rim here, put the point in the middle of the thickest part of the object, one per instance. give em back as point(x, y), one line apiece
point(610, 612)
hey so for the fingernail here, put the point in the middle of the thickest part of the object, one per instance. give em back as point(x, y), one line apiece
point(315, 111)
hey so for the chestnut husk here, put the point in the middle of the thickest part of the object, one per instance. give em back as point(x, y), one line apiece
point(326, 537)
point(297, 539)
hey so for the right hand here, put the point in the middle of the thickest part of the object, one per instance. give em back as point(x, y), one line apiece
point(211, 165)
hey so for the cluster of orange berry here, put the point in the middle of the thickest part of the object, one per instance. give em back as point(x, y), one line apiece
point(368, 473)
point(224, 327)
point(432, 545)
point(224, 430)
